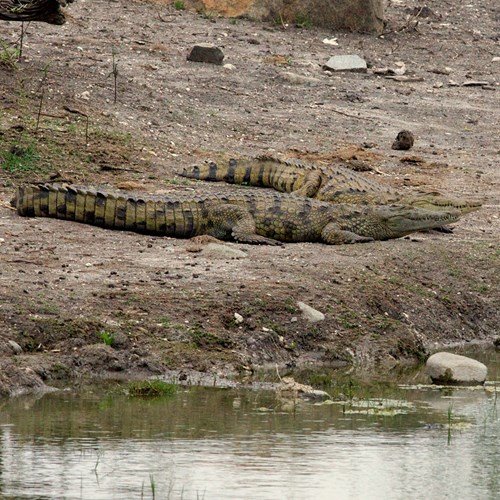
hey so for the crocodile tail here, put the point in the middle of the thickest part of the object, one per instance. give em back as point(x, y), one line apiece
point(162, 216)
point(62, 201)
point(263, 171)
point(245, 172)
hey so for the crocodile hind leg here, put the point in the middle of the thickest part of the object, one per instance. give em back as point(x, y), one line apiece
point(233, 221)
point(334, 235)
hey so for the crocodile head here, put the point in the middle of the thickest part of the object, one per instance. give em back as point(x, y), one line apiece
point(437, 202)
point(383, 222)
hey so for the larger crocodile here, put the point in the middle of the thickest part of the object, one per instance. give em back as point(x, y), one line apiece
point(335, 184)
point(246, 217)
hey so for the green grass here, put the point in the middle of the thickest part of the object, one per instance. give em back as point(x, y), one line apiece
point(106, 337)
point(151, 389)
point(20, 159)
point(179, 5)
point(204, 339)
point(302, 21)
point(8, 56)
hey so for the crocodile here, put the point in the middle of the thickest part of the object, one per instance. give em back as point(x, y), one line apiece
point(335, 184)
point(251, 216)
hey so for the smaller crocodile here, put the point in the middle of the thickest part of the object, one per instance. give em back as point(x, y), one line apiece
point(335, 184)
point(246, 217)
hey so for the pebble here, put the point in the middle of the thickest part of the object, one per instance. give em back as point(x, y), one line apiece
point(310, 313)
point(15, 347)
point(299, 79)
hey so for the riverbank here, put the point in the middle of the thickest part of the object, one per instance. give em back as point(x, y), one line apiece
point(77, 301)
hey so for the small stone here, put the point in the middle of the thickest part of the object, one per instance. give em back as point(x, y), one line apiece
point(206, 53)
point(330, 41)
point(310, 313)
point(223, 251)
point(404, 140)
point(299, 79)
point(347, 63)
point(229, 66)
point(15, 347)
point(453, 369)
point(238, 318)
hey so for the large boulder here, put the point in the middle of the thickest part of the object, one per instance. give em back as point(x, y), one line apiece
point(452, 369)
point(355, 15)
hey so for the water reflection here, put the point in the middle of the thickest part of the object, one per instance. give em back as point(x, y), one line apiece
point(227, 444)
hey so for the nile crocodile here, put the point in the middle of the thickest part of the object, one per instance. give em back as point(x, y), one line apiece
point(246, 217)
point(335, 184)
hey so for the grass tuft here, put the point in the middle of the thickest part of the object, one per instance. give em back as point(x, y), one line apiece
point(151, 389)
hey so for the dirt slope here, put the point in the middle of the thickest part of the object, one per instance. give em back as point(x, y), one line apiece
point(170, 304)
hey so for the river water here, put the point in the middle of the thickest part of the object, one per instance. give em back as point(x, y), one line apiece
point(401, 442)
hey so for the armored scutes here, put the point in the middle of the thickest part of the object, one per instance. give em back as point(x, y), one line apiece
point(334, 184)
point(245, 217)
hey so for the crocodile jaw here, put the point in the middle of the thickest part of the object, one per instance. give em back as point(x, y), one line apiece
point(390, 221)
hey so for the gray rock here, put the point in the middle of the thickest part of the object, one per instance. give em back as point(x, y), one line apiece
point(15, 347)
point(299, 79)
point(347, 63)
point(453, 369)
point(310, 314)
point(206, 53)
point(223, 251)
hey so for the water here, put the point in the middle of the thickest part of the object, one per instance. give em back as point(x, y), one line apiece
point(238, 444)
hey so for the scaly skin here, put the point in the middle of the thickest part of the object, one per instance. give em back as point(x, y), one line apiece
point(246, 217)
point(334, 184)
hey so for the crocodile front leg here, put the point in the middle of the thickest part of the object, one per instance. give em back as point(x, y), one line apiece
point(233, 221)
point(334, 235)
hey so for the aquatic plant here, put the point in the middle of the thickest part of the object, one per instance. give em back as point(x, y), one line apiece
point(151, 388)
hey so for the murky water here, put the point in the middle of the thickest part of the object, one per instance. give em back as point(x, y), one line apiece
point(237, 444)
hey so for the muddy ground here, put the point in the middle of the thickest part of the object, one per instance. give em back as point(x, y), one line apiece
point(166, 304)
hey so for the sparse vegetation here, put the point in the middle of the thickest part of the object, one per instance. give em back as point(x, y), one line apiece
point(21, 159)
point(106, 337)
point(8, 56)
point(204, 339)
point(179, 5)
point(151, 389)
point(302, 21)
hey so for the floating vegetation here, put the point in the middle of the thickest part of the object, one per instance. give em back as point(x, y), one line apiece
point(380, 407)
point(151, 389)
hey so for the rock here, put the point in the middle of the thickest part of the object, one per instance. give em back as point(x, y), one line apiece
point(453, 369)
point(15, 347)
point(309, 313)
point(347, 63)
point(354, 15)
point(404, 140)
point(299, 79)
point(238, 318)
point(290, 389)
point(223, 251)
point(206, 53)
